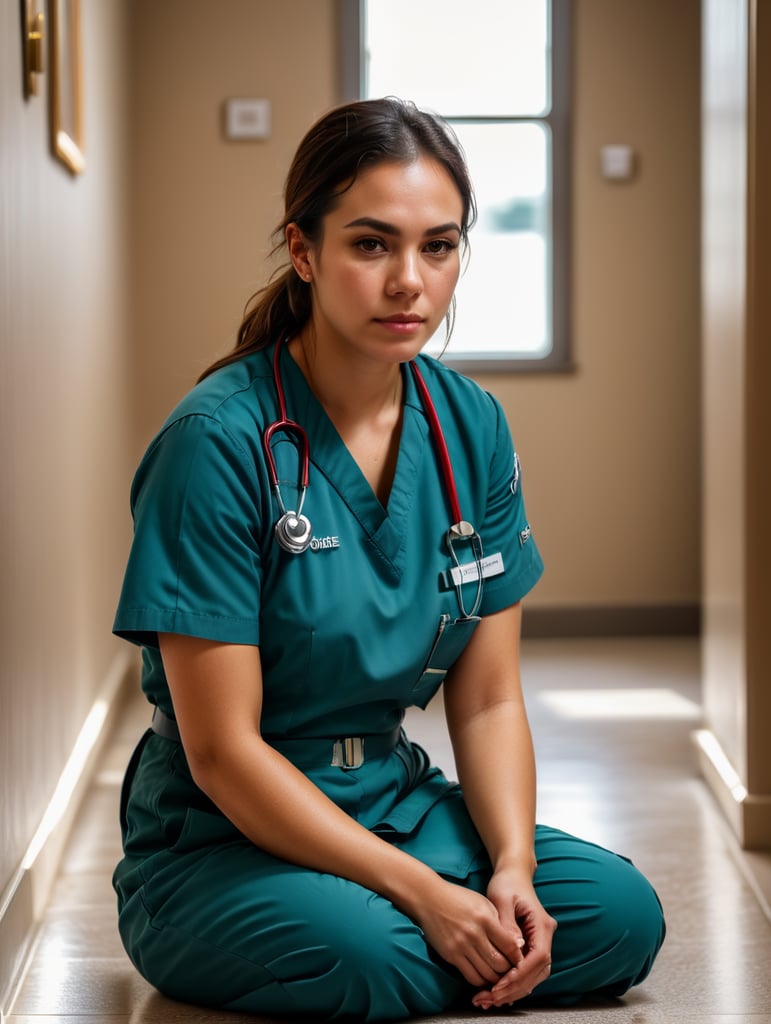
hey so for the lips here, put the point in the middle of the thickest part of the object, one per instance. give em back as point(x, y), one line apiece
point(401, 318)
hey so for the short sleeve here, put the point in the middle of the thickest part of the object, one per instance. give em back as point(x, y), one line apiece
point(194, 567)
point(505, 530)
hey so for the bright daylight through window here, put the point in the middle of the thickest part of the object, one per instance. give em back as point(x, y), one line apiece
point(496, 70)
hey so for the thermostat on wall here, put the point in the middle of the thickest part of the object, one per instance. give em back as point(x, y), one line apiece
point(247, 119)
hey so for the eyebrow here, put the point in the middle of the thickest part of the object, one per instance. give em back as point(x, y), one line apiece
point(390, 229)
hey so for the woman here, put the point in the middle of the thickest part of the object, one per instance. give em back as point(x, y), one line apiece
point(287, 849)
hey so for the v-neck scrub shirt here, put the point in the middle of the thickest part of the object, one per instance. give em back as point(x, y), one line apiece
point(351, 632)
point(345, 629)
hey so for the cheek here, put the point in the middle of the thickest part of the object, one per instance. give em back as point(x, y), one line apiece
point(446, 280)
point(353, 279)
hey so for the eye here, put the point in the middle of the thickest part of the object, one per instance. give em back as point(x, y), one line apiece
point(370, 245)
point(440, 247)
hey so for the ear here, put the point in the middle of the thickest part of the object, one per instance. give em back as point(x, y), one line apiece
point(299, 252)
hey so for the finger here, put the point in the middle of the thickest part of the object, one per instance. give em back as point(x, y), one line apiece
point(478, 973)
point(507, 917)
point(489, 966)
point(506, 986)
point(484, 998)
point(518, 984)
point(509, 941)
point(472, 976)
point(498, 960)
point(516, 953)
point(531, 974)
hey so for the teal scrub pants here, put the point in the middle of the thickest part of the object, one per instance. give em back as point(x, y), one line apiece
point(222, 923)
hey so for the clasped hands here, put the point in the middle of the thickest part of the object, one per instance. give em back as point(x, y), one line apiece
point(501, 942)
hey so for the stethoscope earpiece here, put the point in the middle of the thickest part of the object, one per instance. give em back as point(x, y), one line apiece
point(293, 533)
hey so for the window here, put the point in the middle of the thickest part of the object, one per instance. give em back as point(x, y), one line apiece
point(500, 77)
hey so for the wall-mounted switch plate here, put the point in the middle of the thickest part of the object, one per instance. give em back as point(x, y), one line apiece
point(247, 119)
point(617, 162)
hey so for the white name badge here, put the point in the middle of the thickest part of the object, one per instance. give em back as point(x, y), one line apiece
point(468, 572)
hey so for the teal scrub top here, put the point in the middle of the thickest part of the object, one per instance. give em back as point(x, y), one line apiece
point(349, 636)
point(347, 629)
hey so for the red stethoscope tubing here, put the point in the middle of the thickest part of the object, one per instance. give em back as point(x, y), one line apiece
point(285, 425)
point(441, 445)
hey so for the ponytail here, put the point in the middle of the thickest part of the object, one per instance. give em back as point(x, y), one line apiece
point(278, 310)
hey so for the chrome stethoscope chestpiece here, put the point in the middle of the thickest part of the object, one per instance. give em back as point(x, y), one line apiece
point(293, 532)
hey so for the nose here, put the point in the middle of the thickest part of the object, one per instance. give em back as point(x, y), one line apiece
point(405, 277)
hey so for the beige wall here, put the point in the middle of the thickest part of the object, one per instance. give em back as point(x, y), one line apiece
point(610, 452)
point(206, 208)
point(65, 438)
point(737, 415)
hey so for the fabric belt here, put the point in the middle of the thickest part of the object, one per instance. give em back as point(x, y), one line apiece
point(308, 752)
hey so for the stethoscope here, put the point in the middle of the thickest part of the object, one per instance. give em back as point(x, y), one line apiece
point(293, 531)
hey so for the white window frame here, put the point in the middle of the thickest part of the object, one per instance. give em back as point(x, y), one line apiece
point(557, 124)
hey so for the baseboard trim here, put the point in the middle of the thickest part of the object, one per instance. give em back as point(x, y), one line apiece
point(17, 930)
point(612, 621)
point(749, 814)
point(746, 816)
point(24, 899)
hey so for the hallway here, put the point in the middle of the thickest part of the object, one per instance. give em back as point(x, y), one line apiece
point(612, 722)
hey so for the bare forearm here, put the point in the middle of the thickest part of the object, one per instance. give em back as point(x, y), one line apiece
point(284, 813)
point(494, 757)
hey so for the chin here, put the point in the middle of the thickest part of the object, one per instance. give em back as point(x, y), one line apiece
point(401, 349)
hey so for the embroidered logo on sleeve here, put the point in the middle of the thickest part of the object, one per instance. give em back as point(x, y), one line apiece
point(517, 474)
point(524, 535)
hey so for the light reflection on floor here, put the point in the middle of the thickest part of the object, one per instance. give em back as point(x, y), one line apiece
point(649, 703)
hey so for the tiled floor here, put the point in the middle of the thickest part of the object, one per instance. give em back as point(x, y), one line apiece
point(612, 723)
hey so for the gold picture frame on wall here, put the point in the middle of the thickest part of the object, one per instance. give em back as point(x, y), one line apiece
point(66, 84)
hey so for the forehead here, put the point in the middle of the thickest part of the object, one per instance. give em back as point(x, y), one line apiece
point(419, 193)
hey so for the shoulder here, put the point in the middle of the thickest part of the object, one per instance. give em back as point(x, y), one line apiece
point(229, 394)
point(234, 402)
point(473, 422)
point(459, 397)
point(219, 423)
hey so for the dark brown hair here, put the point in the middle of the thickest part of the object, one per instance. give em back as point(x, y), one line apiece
point(345, 141)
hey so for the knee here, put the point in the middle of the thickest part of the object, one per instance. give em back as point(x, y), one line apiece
point(635, 916)
point(626, 927)
point(610, 921)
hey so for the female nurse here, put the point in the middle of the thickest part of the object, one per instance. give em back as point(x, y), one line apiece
point(327, 528)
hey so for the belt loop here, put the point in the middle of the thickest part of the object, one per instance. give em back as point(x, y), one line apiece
point(348, 753)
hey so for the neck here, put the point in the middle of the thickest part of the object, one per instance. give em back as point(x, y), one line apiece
point(363, 399)
point(347, 388)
